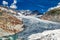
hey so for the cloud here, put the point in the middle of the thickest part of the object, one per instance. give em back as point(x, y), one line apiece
point(13, 5)
point(5, 3)
point(15, 2)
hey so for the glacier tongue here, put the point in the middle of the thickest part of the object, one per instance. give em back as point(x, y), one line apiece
point(34, 25)
point(35, 22)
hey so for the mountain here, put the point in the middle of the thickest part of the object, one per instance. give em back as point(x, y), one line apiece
point(9, 24)
point(11, 11)
point(36, 12)
point(33, 25)
point(52, 15)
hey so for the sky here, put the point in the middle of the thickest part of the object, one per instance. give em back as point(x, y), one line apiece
point(40, 5)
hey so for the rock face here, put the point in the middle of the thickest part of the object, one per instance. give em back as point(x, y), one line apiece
point(52, 15)
point(9, 24)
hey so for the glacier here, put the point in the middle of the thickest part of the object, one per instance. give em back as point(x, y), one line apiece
point(35, 25)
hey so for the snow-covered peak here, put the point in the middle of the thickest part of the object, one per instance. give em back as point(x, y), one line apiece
point(25, 12)
point(58, 6)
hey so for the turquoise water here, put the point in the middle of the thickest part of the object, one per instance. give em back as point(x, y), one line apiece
point(12, 37)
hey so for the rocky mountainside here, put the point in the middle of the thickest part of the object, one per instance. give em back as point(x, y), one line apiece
point(9, 23)
point(52, 15)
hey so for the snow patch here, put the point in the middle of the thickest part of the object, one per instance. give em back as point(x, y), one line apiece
point(58, 6)
point(46, 35)
point(13, 5)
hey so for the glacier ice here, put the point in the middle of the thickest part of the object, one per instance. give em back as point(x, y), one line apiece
point(34, 25)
